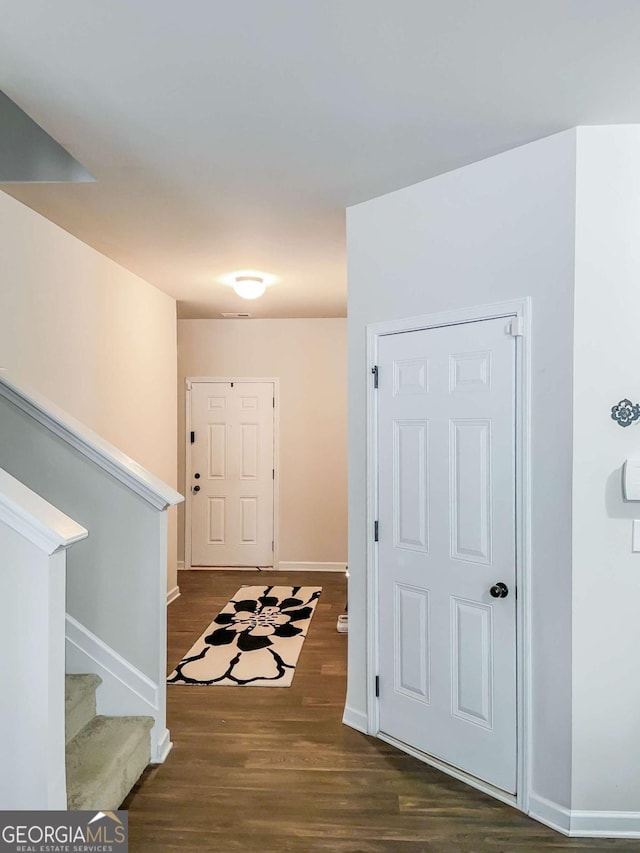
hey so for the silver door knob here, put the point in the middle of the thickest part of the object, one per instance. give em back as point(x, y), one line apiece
point(500, 590)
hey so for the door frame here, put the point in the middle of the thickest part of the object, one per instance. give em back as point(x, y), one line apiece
point(520, 311)
point(189, 382)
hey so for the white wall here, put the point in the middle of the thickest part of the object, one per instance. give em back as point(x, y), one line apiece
point(606, 575)
point(94, 338)
point(310, 359)
point(496, 230)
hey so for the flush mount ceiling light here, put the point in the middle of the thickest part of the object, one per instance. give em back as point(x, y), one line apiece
point(249, 286)
point(248, 283)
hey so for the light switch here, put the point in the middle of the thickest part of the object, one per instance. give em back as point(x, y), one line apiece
point(635, 535)
point(631, 479)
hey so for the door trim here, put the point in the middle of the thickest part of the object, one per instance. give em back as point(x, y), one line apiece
point(518, 308)
point(189, 382)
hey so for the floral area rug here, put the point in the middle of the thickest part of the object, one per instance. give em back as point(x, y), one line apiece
point(254, 641)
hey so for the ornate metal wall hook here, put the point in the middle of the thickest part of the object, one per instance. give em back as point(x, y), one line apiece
point(625, 412)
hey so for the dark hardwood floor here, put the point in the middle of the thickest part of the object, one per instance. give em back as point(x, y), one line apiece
point(273, 769)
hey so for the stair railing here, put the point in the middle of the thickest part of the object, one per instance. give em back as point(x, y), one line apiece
point(116, 578)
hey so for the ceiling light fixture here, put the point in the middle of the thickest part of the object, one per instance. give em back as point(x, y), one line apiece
point(249, 286)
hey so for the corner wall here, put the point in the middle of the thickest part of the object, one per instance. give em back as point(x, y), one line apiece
point(94, 338)
point(606, 574)
point(496, 230)
point(309, 357)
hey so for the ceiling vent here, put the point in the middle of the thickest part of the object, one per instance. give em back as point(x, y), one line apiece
point(240, 315)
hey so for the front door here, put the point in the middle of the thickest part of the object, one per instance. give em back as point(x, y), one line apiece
point(447, 629)
point(232, 473)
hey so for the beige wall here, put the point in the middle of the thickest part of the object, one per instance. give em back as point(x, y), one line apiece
point(94, 338)
point(310, 359)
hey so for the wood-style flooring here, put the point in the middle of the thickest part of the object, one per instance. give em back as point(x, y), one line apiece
point(260, 770)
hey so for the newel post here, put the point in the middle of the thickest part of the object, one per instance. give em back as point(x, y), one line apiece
point(34, 537)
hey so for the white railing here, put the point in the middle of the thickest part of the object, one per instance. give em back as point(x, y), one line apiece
point(116, 579)
point(34, 538)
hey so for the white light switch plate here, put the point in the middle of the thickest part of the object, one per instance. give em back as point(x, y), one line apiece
point(635, 535)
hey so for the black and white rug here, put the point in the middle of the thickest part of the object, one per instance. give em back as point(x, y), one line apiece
point(254, 641)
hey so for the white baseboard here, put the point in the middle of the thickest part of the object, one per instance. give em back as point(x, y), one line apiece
point(173, 594)
point(163, 748)
point(592, 824)
point(288, 566)
point(584, 824)
point(355, 719)
point(231, 569)
point(124, 690)
point(180, 565)
point(551, 814)
point(283, 566)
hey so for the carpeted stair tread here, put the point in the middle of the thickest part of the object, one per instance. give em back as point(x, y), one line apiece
point(80, 702)
point(105, 760)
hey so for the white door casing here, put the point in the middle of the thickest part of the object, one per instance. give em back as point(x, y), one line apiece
point(231, 518)
point(446, 511)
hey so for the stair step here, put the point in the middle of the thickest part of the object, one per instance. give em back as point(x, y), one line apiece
point(80, 702)
point(105, 760)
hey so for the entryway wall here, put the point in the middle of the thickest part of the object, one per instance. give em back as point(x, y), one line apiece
point(556, 221)
point(93, 338)
point(309, 356)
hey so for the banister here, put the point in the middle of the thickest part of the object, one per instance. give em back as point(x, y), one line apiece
point(124, 469)
point(36, 519)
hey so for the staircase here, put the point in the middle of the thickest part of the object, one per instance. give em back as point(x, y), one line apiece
point(105, 756)
point(83, 548)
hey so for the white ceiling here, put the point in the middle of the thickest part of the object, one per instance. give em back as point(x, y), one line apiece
point(231, 134)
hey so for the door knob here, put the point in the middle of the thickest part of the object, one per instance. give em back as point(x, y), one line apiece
point(196, 488)
point(500, 590)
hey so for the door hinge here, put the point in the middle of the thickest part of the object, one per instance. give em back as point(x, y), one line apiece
point(374, 370)
point(376, 531)
point(377, 686)
point(516, 327)
point(273, 473)
point(193, 436)
point(274, 402)
point(272, 544)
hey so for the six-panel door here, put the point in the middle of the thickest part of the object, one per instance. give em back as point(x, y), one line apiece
point(232, 476)
point(446, 451)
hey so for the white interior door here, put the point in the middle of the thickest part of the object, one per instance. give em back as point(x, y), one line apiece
point(232, 473)
point(446, 450)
